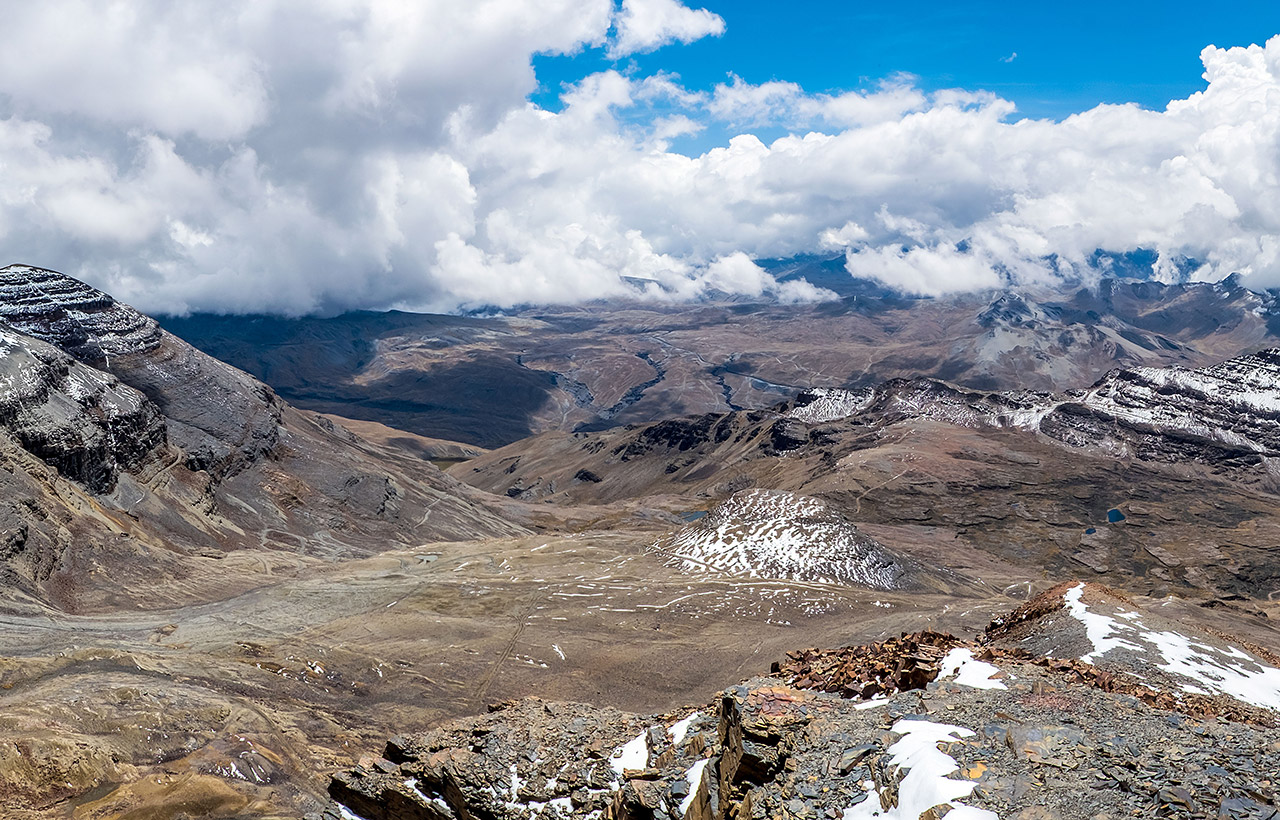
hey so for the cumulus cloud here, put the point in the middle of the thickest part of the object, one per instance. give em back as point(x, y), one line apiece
point(155, 65)
point(646, 25)
point(314, 157)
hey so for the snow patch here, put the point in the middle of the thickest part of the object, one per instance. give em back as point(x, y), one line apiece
point(1204, 669)
point(633, 755)
point(1101, 629)
point(694, 778)
point(969, 671)
point(872, 703)
point(926, 784)
point(831, 405)
point(680, 728)
point(779, 535)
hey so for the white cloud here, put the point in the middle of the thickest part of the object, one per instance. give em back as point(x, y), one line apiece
point(646, 25)
point(159, 65)
point(786, 104)
point(735, 273)
point(848, 235)
point(320, 156)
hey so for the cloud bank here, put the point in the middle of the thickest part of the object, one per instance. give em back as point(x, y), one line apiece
point(301, 157)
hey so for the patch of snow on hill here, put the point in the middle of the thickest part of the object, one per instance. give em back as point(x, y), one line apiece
point(969, 671)
point(926, 784)
point(1204, 669)
point(8, 343)
point(634, 754)
point(780, 535)
point(830, 405)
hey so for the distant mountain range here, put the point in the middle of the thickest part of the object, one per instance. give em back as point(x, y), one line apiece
point(491, 381)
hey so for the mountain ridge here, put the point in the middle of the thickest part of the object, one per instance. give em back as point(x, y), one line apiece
point(914, 727)
point(142, 421)
point(594, 366)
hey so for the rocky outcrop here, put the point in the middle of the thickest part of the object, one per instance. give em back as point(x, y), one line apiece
point(979, 729)
point(222, 418)
point(84, 321)
point(80, 421)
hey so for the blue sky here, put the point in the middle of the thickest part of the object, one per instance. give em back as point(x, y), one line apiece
point(1070, 56)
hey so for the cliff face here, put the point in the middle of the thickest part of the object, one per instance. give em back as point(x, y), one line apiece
point(222, 418)
point(84, 321)
point(83, 422)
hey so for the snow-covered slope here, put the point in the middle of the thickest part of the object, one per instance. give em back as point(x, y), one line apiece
point(82, 320)
point(1094, 625)
point(1229, 411)
point(1235, 404)
point(780, 535)
point(823, 404)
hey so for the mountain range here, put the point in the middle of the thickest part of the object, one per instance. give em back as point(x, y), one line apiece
point(1005, 555)
point(491, 381)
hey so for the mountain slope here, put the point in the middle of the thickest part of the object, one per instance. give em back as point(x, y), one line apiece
point(164, 459)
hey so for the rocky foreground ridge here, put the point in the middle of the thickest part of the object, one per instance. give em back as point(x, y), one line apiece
point(1075, 705)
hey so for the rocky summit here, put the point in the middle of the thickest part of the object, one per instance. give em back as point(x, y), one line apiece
point(82, 320)
point(1075, 705)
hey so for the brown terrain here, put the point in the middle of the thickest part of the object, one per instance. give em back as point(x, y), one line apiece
point(215, 601)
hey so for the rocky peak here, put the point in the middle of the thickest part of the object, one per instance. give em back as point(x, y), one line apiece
point(920, 726)
point(66, 312)
point(1010, 309)
point(221, 417)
